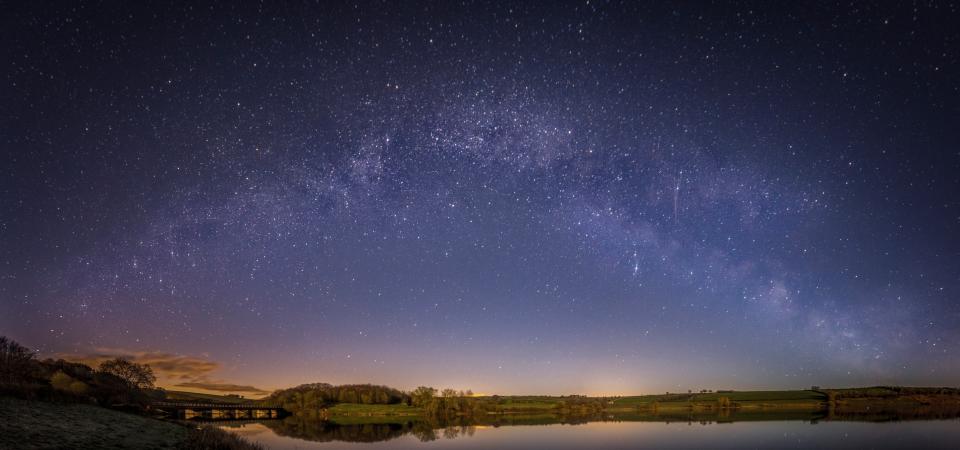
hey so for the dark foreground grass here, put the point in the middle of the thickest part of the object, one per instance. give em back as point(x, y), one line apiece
point(34, 425)
point(31, 424)
point(213, 438)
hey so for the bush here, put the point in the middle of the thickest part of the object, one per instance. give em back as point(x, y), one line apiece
point(61, 381)
point(79, 388)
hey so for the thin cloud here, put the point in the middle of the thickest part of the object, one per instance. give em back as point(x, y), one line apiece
point(223, 387)
point(167, 366)
point(172, 370)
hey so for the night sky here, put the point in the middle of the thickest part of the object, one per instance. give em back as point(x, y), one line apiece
point(592, 197)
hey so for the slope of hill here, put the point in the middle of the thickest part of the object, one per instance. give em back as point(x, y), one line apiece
point(26, 424)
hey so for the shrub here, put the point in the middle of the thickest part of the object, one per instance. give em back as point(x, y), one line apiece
point(79, 388)
point(61, 381)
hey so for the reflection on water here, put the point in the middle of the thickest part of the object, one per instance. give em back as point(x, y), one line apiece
point(737, 430)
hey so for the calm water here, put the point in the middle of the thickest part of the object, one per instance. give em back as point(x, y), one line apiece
point(803, 434)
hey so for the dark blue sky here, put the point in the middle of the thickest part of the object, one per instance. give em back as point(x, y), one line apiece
point(590, 197)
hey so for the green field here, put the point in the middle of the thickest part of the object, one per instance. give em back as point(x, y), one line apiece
point(529, 403)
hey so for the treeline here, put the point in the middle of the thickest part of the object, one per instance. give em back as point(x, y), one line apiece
point(578, 404)
point(115, 383)
point(888, 392)
point(317, 396)
point(449, 403)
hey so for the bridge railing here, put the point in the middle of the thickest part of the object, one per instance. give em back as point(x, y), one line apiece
point(215, 405)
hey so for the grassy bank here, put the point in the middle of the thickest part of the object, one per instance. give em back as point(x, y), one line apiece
point(34, 425)
point(30, 424)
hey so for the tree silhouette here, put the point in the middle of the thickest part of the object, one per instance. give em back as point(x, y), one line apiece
point(423, 395)
point(136, 375)
point(17, 365)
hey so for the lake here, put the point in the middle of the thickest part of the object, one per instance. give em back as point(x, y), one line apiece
point(607, 433)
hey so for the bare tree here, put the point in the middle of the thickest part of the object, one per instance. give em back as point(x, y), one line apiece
point(423, 395)
point(137, 375)
point(448, 393)
point(16, 362)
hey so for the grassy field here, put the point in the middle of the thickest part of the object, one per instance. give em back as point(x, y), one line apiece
point(40, 425)
point(528, 403)
point(34, 425)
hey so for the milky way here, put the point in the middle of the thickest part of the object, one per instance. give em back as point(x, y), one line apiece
point(590, 197)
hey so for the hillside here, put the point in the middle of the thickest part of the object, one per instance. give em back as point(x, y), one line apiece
point(26, 424)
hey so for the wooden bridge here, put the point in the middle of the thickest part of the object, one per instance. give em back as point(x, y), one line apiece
point(219, 411)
